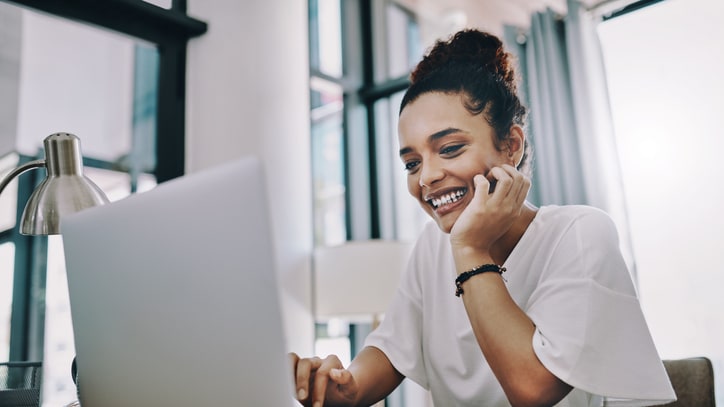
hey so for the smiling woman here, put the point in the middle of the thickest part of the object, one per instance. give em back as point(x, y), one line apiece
point(430, 146)
point(564, 323)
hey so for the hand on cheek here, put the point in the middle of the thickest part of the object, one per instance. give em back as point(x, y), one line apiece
point(490, 214)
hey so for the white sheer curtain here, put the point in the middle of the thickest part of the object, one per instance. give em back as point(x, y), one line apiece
point(575, 159)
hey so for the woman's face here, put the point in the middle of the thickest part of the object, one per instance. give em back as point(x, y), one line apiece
point(442, 146)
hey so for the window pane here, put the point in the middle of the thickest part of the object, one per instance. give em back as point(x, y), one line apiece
point(7, 267)
point(9, 196)
point(161, 3)
point(82, 80)
point(325, 36)
point(400, 214)
point(404, 48)
point(328, 163)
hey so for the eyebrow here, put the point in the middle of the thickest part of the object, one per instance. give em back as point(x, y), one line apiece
point(433, 137)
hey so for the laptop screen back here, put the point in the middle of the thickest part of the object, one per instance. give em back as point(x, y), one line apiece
point(174, 298)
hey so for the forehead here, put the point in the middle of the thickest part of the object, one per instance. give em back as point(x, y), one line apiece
point(435, 105)
point(435, 111)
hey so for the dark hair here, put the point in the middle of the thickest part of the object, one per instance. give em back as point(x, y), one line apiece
point(474, 64)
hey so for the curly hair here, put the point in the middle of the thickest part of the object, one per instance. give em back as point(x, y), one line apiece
point(474, 64)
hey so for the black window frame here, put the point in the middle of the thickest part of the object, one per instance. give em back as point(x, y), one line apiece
point(167, 29)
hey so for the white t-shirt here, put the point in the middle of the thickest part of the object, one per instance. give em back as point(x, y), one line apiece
point(567, 274)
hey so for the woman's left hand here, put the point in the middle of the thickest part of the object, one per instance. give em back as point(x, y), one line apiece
point(490, 215)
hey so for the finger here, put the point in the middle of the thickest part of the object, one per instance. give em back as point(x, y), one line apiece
point(341, 377)
point(482, 187)
point(321, 379)
point(503, 182)
point(293, 359)
point(320, 389)
point(524, 189)
point(345, 382)
point(521, 184)
point(299, 377)
point(304, 371)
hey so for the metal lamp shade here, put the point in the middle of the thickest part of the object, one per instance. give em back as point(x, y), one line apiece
point(65, 190)
point(55, 198)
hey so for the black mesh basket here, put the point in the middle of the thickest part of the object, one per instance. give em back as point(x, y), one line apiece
point(20, 384)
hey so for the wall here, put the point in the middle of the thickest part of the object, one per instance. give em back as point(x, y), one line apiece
point(667, 110)
point(248, 93)
point(10, 40)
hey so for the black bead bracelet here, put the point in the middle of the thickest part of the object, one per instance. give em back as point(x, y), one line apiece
point(464, 276)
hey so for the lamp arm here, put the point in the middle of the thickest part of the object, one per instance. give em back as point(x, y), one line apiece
point(21, 169)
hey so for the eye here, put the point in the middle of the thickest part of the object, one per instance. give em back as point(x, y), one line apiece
point(451, 149)
point(411, 165)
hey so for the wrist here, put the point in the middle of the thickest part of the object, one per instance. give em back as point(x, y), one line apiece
point(467, 258)
point(483, 268)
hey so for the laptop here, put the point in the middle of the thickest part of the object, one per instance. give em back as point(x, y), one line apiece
point(174, 297)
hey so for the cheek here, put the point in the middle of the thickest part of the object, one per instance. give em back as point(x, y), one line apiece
point(413, 186)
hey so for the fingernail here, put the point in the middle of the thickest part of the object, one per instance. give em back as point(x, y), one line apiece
point(301, 394)
point(317, 404)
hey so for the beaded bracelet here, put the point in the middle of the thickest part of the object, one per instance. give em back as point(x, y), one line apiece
point(464, 276)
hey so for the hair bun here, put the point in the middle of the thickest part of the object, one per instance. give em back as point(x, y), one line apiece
point(468, 47)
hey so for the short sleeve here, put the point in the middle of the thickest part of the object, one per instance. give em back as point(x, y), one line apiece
point(399, 336)
point(590, 329)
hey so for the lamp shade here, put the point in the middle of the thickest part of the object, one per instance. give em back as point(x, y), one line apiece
point(64, 191)
point(357, 280)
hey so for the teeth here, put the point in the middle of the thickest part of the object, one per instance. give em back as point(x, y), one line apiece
point(447, 198)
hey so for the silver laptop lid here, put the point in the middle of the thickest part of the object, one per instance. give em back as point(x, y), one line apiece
point(174, 298)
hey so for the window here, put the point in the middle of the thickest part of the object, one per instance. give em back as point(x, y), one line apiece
point(327, 104)
point(107, 88)
point(396, 35)
point(664, 65)
point(361, 53)
point(120, 95)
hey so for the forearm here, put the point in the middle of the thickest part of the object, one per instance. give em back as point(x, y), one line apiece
point(505, 335)
point(375, 376)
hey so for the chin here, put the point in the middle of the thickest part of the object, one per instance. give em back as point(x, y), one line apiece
point(444, 224)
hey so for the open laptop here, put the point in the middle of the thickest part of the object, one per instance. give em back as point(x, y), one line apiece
point(174, 297)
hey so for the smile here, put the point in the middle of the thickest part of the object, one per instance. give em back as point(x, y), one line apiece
point(450, 197)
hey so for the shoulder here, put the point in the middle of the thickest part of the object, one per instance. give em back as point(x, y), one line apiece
point(586, 245)
point(577, 218)
point(573, 213)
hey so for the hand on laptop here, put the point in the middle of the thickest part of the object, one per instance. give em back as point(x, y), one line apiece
point(322, 380)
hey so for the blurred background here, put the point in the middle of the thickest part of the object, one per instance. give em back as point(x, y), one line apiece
point(625, 102)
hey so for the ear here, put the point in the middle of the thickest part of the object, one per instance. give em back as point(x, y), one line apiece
point(515, 145)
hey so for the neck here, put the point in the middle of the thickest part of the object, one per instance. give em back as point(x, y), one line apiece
point(505, 245)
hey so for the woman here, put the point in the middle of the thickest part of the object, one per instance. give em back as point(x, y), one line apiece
point(503, 303)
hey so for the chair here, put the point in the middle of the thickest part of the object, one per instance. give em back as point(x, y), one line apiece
point(20, 384)
point(693, 381)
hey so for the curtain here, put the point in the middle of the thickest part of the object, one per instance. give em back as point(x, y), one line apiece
point(575, 160)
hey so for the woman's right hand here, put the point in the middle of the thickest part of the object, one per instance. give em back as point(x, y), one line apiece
point(490, 214)
point(319, 381)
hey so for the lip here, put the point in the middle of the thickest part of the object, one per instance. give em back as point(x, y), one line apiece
point(448, 207)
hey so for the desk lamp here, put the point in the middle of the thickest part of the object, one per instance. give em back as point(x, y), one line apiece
point(64, 191)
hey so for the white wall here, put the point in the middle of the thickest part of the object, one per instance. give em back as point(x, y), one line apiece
point(664, 66)
point(248, 93)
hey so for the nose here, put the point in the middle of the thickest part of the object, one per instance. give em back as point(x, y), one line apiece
point(430, 173)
